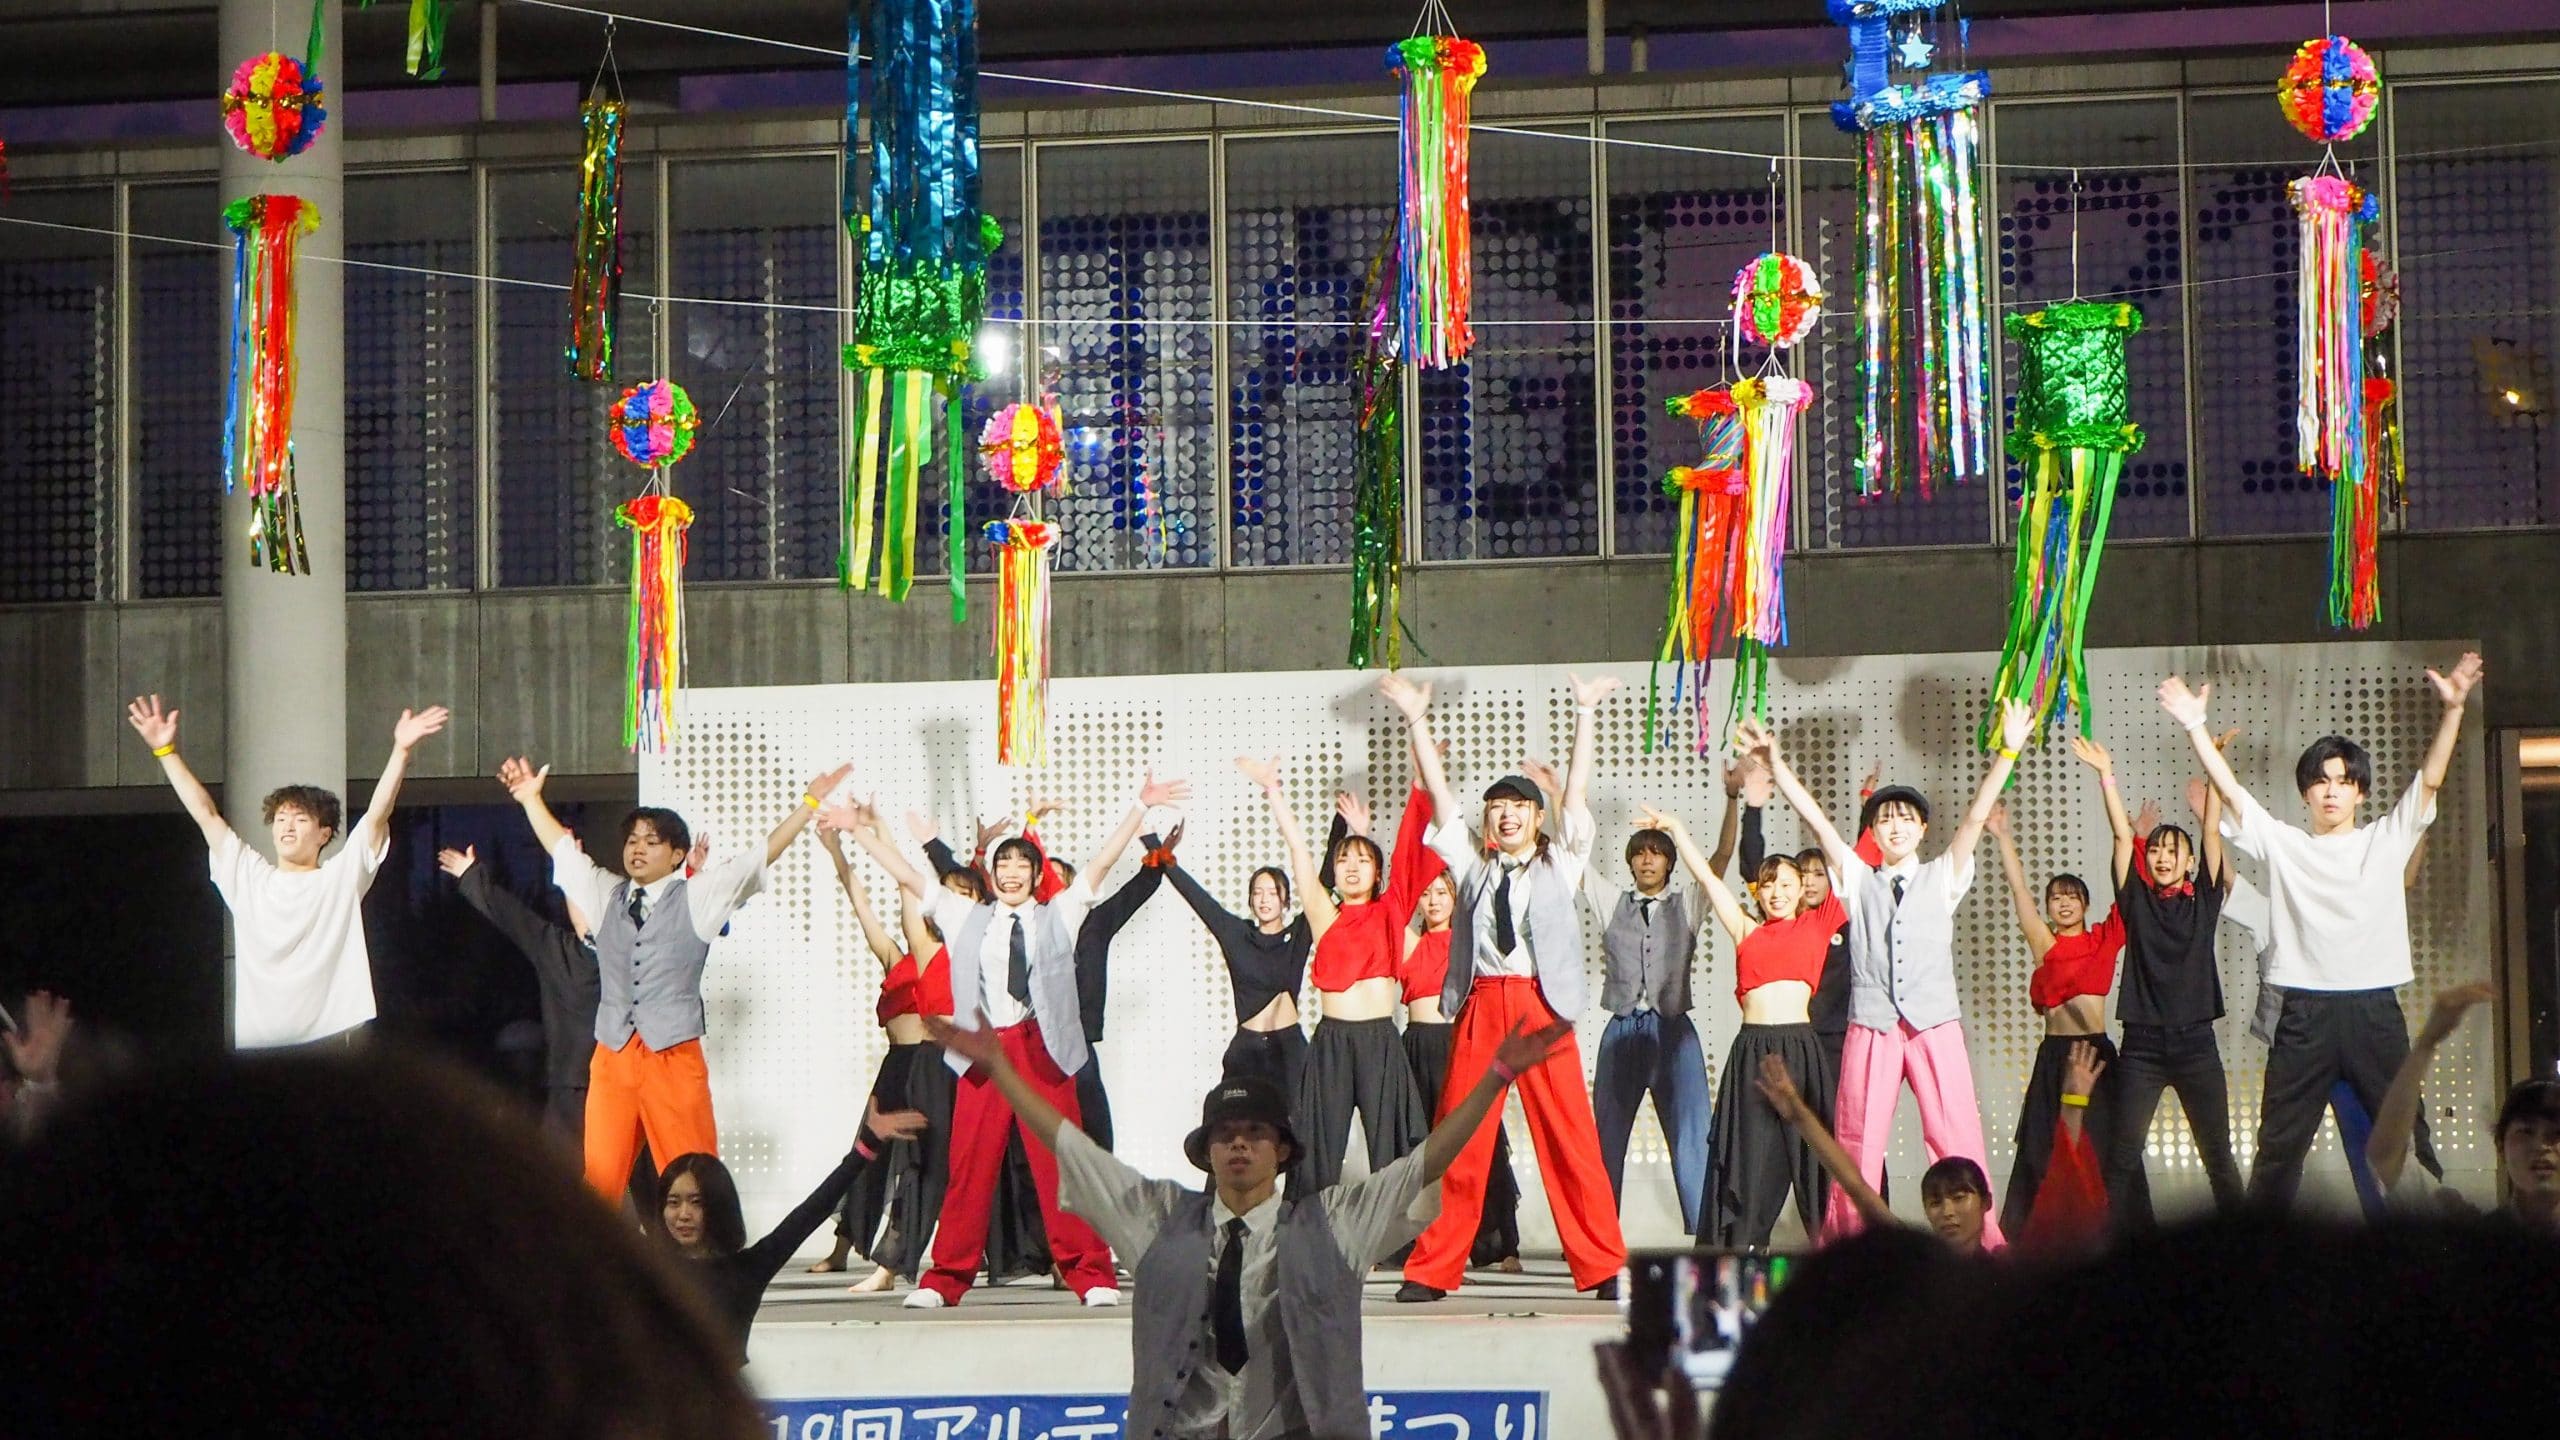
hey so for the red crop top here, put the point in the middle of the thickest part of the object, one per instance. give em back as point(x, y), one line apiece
point(1427, 968)
point(1789, 949)
point(1366, 941)
point(906, 990)
point(2077, 965)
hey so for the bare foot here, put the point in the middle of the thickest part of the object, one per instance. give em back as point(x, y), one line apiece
point(1509, 1265)
point(835, 1258)
point(877, 1281)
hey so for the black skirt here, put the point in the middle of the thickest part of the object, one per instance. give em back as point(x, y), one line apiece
point(2037, 1115)
point(1754, 1158)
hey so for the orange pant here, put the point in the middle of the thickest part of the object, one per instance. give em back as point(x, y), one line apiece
point(1560, 1124)
point(635, 1091)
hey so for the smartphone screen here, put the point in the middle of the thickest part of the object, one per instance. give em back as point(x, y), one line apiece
point(1695, 1307)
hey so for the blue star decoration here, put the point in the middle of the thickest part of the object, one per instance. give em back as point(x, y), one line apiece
point(1913, 52)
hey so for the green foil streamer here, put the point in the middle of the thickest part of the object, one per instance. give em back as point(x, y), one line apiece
point(1377, 508)
point(595, 276)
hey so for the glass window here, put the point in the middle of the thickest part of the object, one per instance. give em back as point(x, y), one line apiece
point(1836, 516)
point(1680, 226)
point(2244, 154)
point(758, 343)
point(57, 315)
point(1127, 347)
point(1308, 217)
point(177, 374)
point(410, 381)
point(2128, 251)
point(557, 475)
point(2477, 324)
point(1511, 435)
point(1000, 350)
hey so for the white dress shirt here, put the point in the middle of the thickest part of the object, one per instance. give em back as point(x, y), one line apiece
point(950, 914)
point(715, 892)
point(1569, 852)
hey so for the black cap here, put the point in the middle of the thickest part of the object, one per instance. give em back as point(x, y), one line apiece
point(1242, 1097)
point(1516, 787)
point(1888, 795)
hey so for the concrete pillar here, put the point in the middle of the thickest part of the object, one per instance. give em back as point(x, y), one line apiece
point(1595, 36)
point(285, 636)
point(488, 60)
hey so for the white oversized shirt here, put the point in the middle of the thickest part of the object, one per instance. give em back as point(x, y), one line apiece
point(2337, 908)
point(714, 892)
point(302, 970)
point(1569, 852)
point(950, 914)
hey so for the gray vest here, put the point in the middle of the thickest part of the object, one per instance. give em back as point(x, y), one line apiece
point(1053, 982)
point(1554, 937)
point(649, 977)
point(1648, 963)
point(1319, 1308)
point(1902, 958)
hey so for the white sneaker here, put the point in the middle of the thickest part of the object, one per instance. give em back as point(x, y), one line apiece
point(922, 1299)
point(1101, 1297)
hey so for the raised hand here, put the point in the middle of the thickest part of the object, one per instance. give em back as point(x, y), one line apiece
point(2222, 742)
point(1157, 792)
point(2184, 705)
point(523, 782)
point(2092, 754)
point(1779, 1089)
point(919, 828)
point(2455, 689)
point(1522, 1050)
point(981, 1046)
point(2198, 793)
point(1589, 693)
point(825, 785)
point(1265, 773)
point(2445, 1016)
point(414, 726)
point(1997, 822)
point(891, 1124)
point(1543, 775)
point(1406, 696)
point(989, 832)
point(700, 854)
point(158, 728)
point(1040, 808)
point(1759, 787)
point(2081, 1068)
point(852, 817)
point(1875, 777)
point(1648, 818)
point(1756, 740)
point(35, 1048)
point(1733, 773)
point(458, 863)
point(1173, 837)
point(1353, 810)
point(2017, 722)
point(2147, 819)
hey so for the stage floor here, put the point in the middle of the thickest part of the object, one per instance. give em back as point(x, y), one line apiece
point(833, 1364)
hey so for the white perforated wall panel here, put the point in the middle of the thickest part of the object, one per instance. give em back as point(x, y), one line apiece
point(791, 989)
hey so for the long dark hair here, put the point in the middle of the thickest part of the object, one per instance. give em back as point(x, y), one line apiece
point(724, 1222)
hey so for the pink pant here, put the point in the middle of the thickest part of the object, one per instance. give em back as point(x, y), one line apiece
point(1874, 1064)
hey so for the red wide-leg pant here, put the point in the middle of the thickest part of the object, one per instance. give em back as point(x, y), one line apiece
point(981, 1123)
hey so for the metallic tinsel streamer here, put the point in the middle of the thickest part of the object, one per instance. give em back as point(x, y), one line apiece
point(595, 275)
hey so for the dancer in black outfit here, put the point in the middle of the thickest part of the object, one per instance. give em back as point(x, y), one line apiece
point(1266, 959)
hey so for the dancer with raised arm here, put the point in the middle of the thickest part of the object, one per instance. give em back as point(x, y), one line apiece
point(2338, 916)
point(1012, 967)
point(1904, 1026)
point(300, 970)
point(1266, 954)
point(1755, 1156)
point(654, 928)
point(1516, 962)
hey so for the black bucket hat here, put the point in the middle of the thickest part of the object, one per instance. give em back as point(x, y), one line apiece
point(1242, 1097)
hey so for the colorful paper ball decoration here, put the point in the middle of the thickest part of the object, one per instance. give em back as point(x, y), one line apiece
point(1776, 299)
point(1023, 448)
point(2331, 90)
point(2380, 290)
point(273, 107)
point(653, 423)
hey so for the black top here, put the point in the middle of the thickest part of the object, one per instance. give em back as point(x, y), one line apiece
point(1260, 965)
point(1829, 1008)
point(562, 965)
point(735, 1284)
point(2171, 975)
point(1093, 942)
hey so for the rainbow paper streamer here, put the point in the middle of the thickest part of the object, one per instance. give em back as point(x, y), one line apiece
point(257, 447)
point(1022, 638)
point(654, 655)
point(2329, 401)
point(1714, 501)
point(1435, 244)
point(1770, 407)
point(595, 276)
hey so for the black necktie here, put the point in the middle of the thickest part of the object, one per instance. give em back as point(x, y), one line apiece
point(1017, 965)
point(1506, 936)
point(638, 910)
point(1644, 908)
point(1897, 892)
point(1226, 1304)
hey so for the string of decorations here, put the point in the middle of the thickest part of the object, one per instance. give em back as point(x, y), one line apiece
point(258, 392)
point(653, 425)
point(1024, 449)
point(275, 106)
point(595, 271)
point(1435, 244)
point(428, 21)
point(1377, 493)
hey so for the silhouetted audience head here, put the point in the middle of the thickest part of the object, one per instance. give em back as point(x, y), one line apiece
point(359, 1244)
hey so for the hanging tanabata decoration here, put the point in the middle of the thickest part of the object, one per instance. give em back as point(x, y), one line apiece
point(1435, 248)
point(257, 428)
point(428, 20)
point(595, 275)
point(653, 425)
point(273, 109)
point(1377, 496)
point(1023, 448)
point(2387, 457)
point(1924, 357)
point(2071, 435)
point(1771, 407)
point(2331, 90)
point(1712, 495)
point(924, 241)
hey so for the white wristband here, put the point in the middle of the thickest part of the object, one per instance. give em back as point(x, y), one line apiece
point(2196, 724)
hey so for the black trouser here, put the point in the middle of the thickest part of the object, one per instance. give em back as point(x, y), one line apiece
point(1355, 1065)
point(1753, 1157)
point(1279, 1056)
point(1427, 1048)
point(2042, 1108)
point(2323, 1037)
point(1093, 1101)
point(2184, 1058)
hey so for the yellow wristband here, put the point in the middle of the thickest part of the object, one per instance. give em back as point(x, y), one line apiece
point(2008, 754)
point(163, 752)
point(808, 799)
point(2081, 1101)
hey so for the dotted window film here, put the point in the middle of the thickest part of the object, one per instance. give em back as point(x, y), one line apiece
point(1308, 218)
point(765, 479)
point(1836, 516)
point(2129, 252)
point(2244, 154)
point(409, 368)
point(982, 499)
point(177, 375)
point(1125, 297)
point(1510, 436)
point(556, 477)
point(793, 1044)
point(1680, 226)
point(57, 314)
point(2477, 330)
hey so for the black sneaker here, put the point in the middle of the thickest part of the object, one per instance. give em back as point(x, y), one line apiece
point(1414, 1292)
point(1606, 1289)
